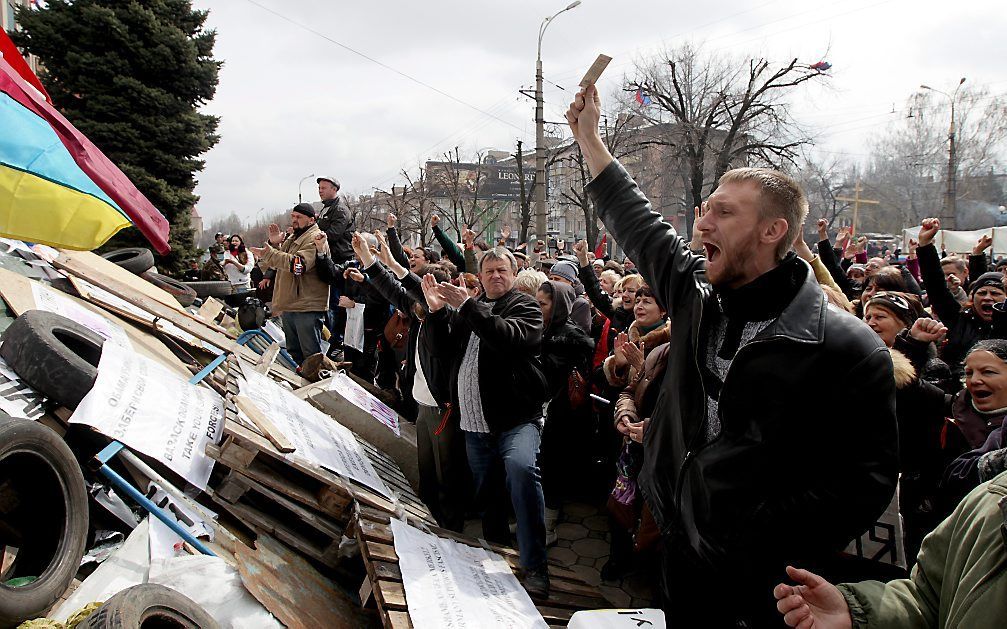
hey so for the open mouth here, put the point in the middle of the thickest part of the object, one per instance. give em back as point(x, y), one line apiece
point(981, 394)
point(712, 251)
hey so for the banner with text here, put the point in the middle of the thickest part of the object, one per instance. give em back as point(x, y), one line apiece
point(154, 411)
point(53, 301)
point(449, 584)
point(362, 399)
point(317, 438)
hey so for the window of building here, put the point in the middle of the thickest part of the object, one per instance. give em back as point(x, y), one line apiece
point(8, 21)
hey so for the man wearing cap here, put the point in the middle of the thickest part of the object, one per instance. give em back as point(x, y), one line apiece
point(299, 293)
point(334, 219)
point(966, 324)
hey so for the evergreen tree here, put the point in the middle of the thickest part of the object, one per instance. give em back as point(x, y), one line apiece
point(131, 76)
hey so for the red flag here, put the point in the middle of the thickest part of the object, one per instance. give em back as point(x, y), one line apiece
point(12, 55)
point(599, 251)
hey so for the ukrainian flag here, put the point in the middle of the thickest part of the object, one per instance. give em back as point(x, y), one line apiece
point(56, 187)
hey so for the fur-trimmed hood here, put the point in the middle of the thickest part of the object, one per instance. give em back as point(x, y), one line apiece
point(651, 339)
point(905, 373)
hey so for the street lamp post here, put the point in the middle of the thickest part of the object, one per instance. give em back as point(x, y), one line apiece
point(951, 194)
point(540, 222)
point(299, 199)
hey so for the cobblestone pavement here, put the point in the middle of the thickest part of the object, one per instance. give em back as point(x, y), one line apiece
point(583, 545)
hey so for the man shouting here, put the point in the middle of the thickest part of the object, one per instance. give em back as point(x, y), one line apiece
point(750, 459)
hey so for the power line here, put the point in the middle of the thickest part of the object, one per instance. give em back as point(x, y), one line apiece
point(382, 64)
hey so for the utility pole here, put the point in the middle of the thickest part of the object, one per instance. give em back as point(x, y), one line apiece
point(856, 201)
point(541, 228)
point(949, 218)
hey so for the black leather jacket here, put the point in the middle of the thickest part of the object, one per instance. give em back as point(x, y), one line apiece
point(511, 383)
point(794, 474)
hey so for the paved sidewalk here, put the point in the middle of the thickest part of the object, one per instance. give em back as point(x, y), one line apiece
point(584, 545)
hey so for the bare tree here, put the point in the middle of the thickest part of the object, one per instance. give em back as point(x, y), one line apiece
point(908, 162)
point(411, 203)
point(823, 180)
point(468, 205)
point(628, 141)
point(726, 111)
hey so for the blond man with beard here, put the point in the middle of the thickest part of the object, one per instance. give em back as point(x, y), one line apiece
point(744, 465)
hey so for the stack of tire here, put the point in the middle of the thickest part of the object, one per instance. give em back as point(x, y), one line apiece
point(140, 261)
point(43, 500)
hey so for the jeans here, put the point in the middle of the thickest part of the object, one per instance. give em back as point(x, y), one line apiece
point(517, 449)
point(304, 333)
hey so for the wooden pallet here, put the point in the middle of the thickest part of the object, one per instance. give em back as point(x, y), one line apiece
point(568, 592)
point(302, 504)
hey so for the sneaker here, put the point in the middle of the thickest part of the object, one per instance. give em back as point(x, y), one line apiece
point(536, 583)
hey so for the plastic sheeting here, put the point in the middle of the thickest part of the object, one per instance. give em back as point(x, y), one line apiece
point(208, 581)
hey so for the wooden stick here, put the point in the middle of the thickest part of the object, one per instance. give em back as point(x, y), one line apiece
point(267, 358)
point(269, 430)
point(594, 72)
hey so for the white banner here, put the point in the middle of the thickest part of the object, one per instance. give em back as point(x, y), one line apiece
point(317, 438)
point(362, 399)
point(53, 301)
point(154, 411)
point(449, 584)
point(962, 241)
point(17, 399)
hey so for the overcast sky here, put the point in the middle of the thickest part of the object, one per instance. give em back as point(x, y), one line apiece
point(294, 103)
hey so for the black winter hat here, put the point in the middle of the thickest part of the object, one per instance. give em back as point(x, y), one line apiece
point(305, 208)
point(991, 278)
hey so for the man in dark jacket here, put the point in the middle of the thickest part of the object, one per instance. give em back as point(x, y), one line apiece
point(748, 459)
point(336, 221)
point(498, 388)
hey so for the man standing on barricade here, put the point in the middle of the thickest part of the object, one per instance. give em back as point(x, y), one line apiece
point(299, 294)
point(749, 460)
point(498, 388)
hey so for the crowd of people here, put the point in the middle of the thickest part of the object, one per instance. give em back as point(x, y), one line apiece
point(694, 385)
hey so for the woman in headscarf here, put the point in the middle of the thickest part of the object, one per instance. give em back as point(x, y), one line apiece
point(566, 359)
point(900, 322)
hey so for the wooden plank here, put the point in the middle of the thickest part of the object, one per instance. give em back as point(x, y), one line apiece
point(78, 265)
point(297, 594)
point(16, 290)
point(323, 551)
point(365, 592)
point(267, 358)
point(399, 620)
point(275, 436)
point(209, 310)
point(116, 272)
point(278, 483)
point(390, 594)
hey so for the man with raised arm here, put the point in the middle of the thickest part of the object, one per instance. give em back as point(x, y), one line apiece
point(749, 459)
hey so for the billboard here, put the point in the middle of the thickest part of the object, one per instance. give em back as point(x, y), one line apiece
point(488, 180)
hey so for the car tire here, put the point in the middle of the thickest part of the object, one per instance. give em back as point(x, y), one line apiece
point(210, 289)
point(149, 605)
point(184, 294)
point(43, 512)
point(136, 260)
point(56, 356)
